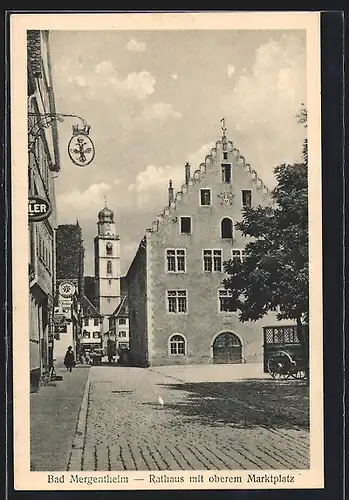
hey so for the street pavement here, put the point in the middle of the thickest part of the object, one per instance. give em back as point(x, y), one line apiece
point(212, 417)
point(54, 412)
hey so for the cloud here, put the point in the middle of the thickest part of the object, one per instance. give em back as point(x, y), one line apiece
point(159, 111)
point(150, 188)
point(264, 103)
point(105, 79)
point(104, 68)
point(141, 85)
point(78, 80)
point(231, 70)
point(82, 203)
point(174, 76)
point(134, 46)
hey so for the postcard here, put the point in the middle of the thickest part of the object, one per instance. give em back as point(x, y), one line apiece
point(167, 273)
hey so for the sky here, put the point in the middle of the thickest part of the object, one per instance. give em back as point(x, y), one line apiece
point(154, 100)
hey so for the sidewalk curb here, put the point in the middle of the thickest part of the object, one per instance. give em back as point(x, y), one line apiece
point(76, 454)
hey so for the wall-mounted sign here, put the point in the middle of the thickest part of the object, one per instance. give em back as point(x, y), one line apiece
point(81, 150)
point(61, 328)
point(38, 209)
point(66, 289)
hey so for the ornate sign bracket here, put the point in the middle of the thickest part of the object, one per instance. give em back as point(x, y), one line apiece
point(81, 149)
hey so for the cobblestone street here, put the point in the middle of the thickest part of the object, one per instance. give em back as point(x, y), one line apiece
point(213, 417)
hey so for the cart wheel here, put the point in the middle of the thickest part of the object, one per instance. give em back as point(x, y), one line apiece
point(299, 374)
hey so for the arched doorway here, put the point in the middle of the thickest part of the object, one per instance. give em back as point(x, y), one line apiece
point(227, 348)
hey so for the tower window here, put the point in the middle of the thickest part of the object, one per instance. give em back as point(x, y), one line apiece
point(205, 197)
point(246, 197)
point(185, 225)
point(109, 267)
point(109, 248)
point(227, 228)
point(226, 173)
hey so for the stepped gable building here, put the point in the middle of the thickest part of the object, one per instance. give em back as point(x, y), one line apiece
point(178, 308)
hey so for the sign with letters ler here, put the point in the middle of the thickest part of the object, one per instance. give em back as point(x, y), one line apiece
point(38, 209)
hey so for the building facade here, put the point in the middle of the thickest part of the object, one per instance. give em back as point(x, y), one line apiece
point(178, 308)
point(119, 326)
point(91, 325)
point(43, 163)
point(69, 288)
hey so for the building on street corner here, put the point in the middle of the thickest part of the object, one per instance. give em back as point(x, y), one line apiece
point(69, 288)
point(43, 163)
point(178, 307)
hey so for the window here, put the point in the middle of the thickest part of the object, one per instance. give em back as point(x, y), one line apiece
point(227, 228)
point(86, 320)
point(226, 173)
point(177, 344)
point(185, 225)
point(86, 334)
point(224, 301)
point(109, 248)
point(96, 321)
point(88, 310)
point(109, 268)
point(205, 197)
point(246, 197)
point(122, 321)
point(225, 155)
point(96, 335)
point(177, 301)
point(238, 254)
point(175, 260)
point(122, 334)
point(212, 260)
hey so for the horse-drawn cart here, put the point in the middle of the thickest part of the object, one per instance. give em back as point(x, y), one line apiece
point(283, 365)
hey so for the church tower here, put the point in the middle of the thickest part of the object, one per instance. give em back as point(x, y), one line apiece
point(107, 263)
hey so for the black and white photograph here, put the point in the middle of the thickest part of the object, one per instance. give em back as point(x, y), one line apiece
point(167, 273)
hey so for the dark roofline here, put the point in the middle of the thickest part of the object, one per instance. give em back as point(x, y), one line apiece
point(89, 304)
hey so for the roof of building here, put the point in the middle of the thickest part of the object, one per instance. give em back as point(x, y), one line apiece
point(106, 215)
point(87, 304)
point(122, 308)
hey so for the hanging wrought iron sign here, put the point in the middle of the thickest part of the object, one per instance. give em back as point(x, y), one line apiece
point(80, 148)
point(38, 209)
point(66, 289)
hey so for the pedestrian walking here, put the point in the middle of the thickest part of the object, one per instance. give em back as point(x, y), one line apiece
point(69, 359)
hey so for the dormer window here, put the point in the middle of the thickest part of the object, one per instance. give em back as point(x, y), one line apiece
point(225, 155)
point(226, 173)
point(109, 248)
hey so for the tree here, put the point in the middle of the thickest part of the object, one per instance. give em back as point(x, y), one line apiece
point(274, 272)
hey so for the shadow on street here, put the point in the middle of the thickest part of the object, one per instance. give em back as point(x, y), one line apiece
point(244, 404)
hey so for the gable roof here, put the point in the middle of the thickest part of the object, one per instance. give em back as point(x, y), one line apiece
point(122, 308)
point(86, 304)
point(199, 174)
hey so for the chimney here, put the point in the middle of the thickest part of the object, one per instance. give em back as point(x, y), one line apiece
point(170, 193)
point(187, 172)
